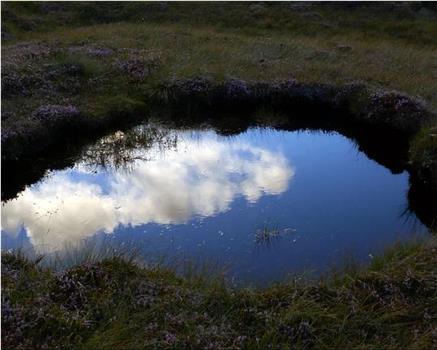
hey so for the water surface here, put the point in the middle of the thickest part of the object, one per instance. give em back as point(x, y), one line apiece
point(264, 203)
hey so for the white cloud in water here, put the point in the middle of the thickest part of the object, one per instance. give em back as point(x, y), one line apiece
point(200, 178)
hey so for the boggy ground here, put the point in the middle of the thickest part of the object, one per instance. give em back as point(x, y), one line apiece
point(116, 303)
point(82, 68)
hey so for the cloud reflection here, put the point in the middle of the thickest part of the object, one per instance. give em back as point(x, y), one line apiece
point(198, 178)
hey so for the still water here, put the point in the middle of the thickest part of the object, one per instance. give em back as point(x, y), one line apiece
point(263, 204)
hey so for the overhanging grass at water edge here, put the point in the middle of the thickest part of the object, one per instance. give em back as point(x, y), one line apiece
point(115, 303)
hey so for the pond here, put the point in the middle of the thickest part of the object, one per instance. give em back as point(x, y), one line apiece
point(262, 204)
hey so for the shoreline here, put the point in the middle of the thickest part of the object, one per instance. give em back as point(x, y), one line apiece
point(355, 103)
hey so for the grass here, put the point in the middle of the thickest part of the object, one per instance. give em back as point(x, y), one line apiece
point(116, 303)
point(123, 53)
point(423, 153)
point(232, 40)
point(387, 20)
point(267, 234)
point(208, 51)
point(138, 41)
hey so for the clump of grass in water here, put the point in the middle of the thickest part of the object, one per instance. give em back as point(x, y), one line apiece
point(266, 235)
point(90, 252)
point(87, 252)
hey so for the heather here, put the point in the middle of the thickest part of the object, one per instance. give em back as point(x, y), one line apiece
point(117, 302)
